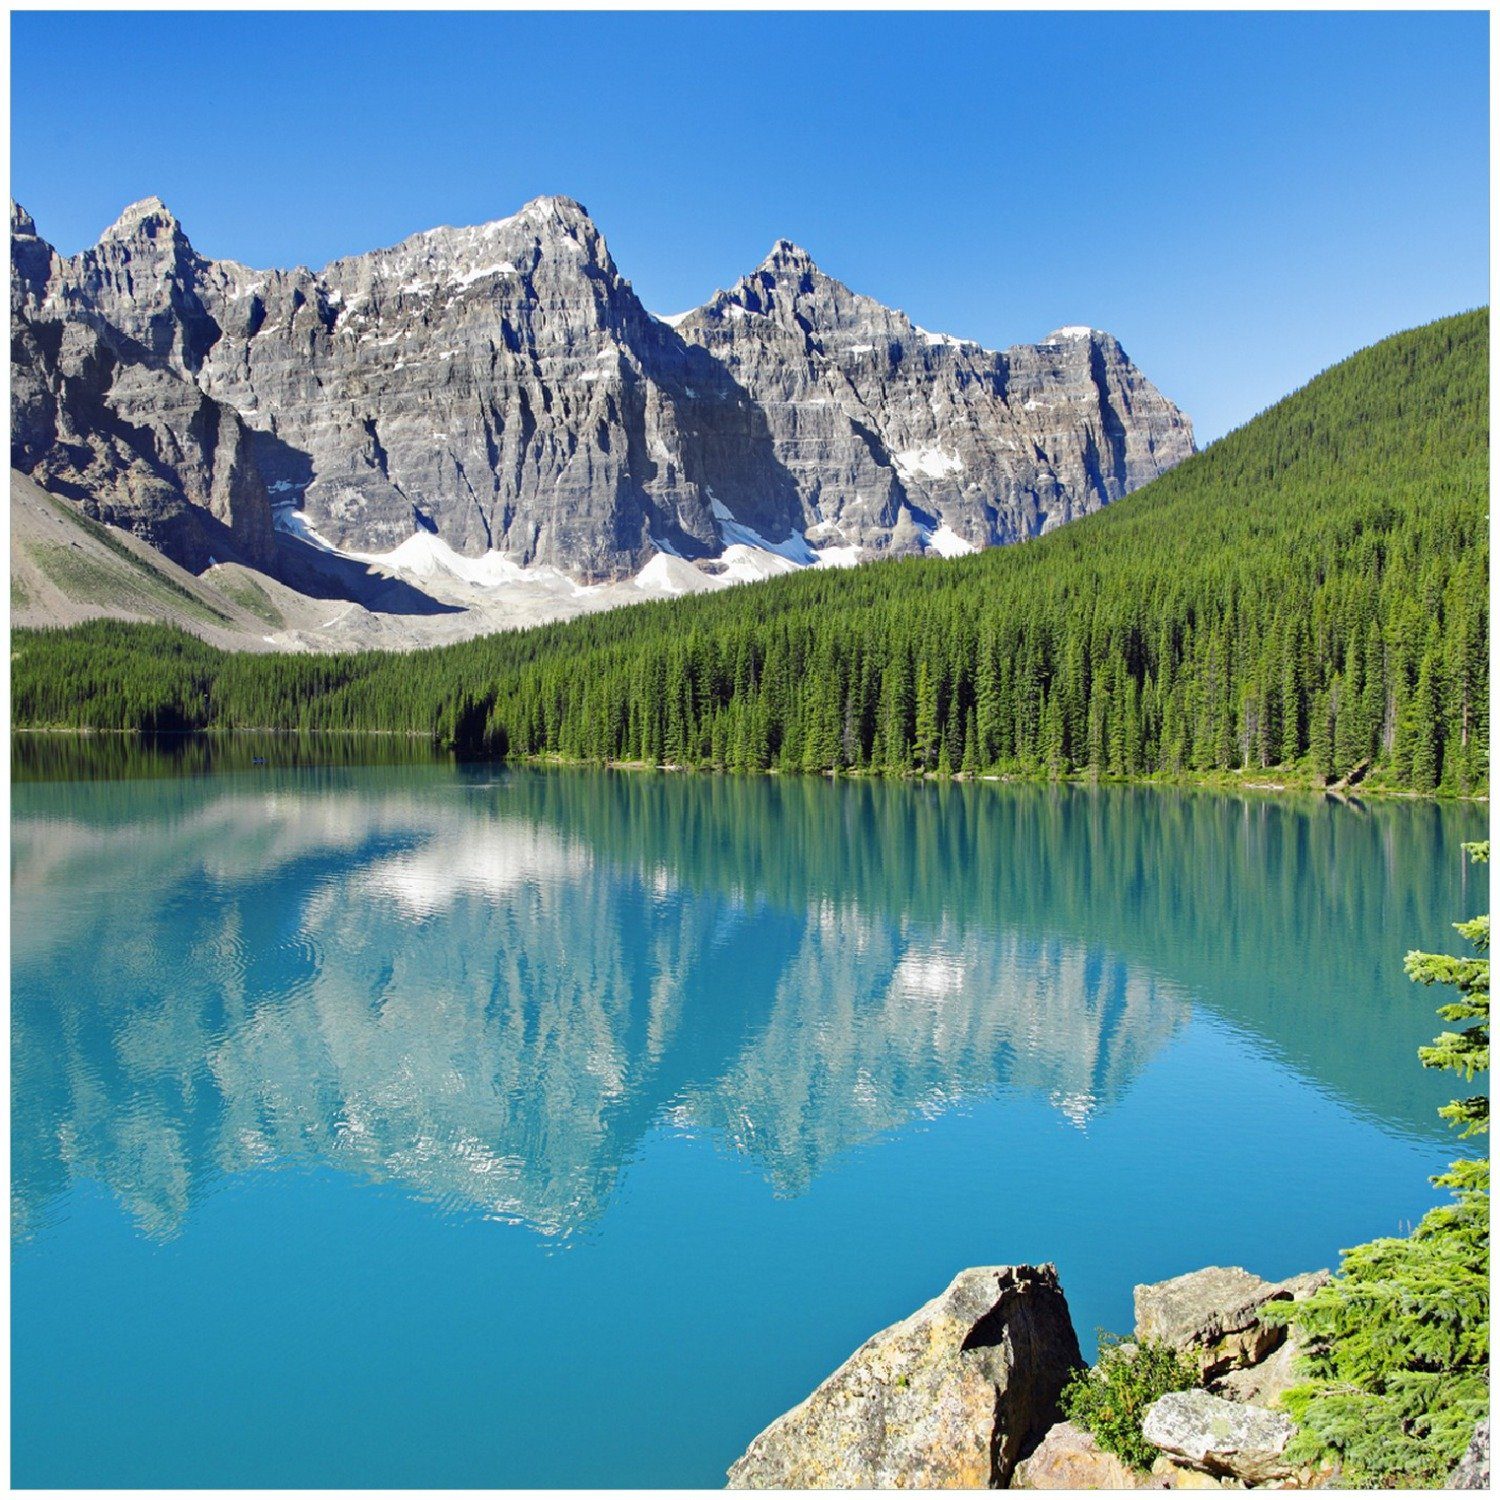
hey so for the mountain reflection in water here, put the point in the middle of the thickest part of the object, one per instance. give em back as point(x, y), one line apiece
point(486, 988)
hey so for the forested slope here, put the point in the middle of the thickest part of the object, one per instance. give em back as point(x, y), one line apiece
point(1310, 592)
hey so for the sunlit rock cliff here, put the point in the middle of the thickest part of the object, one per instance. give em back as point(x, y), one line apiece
point(501, 390)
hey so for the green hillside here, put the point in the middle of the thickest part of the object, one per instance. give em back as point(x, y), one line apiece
point(1309, 594)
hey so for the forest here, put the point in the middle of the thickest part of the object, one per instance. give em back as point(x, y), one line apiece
point(1307, 597)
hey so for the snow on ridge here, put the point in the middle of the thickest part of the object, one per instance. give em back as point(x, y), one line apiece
point(926, 463)
point(747, 557)
point(425, 555)
point(944, 338)
point(794, 548)
point(659, 574)
point(674, 320)
point(285, 516)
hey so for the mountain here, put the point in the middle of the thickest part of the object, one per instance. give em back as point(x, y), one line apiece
point(1309, 595)
point(502, 390)
point(904, 440)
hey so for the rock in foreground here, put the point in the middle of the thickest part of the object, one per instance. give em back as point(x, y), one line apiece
point(1215, 1315)
point(943, 1400)
point(1224, 1438)
point(1069, 1458)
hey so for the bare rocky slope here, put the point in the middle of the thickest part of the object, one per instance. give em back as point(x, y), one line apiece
point(487, 401)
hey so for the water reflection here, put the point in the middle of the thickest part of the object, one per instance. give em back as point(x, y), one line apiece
point(487, 988)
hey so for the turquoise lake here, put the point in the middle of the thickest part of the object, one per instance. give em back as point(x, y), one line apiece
point(453, 1125)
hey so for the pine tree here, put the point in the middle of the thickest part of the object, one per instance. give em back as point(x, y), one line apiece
point(927, 716)
point(1426, 728)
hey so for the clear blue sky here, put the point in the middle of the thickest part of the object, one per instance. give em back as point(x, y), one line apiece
point(1241, 199)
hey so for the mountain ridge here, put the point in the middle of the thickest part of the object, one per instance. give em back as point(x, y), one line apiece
point(502, 386)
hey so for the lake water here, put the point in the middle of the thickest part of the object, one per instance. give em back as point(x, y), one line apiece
point(438, 1125)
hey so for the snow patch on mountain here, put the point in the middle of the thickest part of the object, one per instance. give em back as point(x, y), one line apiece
point(928, 463)
point(946, 542)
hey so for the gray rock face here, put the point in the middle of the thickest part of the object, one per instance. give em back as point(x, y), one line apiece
point(1473, 1471)
point(1214, 1315)
point(893, 433)
point(943, 1400)
point(108, 415)
point(1224, 1438)
point(504, 387)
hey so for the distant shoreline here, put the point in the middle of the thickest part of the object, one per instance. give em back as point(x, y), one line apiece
point(1266, 782)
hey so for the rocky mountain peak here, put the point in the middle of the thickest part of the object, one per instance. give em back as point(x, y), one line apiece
point(30, 261)
point(788, 258)
point(149, 217)
point(1077, 333)
point(557, 208)
point(499, 388)
point(550, 229)
point(805, 302)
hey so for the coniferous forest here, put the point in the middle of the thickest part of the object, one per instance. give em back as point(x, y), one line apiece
point(1308, 596)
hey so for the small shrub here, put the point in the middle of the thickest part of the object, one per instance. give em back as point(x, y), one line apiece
point(1111, 1399)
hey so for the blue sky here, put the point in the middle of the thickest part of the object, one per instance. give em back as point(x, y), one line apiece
point(1241, 199)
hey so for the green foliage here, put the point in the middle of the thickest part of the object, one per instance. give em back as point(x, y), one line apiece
point(1465, 1052)
point(1398, 1360)
point(1111, 1399)
point(1307, 595)
point(1398, 1344)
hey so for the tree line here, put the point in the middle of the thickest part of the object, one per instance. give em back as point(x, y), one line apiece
point(1309, 593)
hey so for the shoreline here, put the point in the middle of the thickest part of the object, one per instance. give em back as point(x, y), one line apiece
point(1216, 781)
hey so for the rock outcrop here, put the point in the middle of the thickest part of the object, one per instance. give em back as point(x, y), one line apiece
point(1228, 1439)
point(965, 1392)
point(943, 1400)
point(1266, 1383)
point(503, 388)
point(1214, 1316)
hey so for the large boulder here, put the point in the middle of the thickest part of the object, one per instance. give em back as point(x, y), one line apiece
point(1215, 1316)
point(1473, 1471)
point(1069, 1458)
point(944, 1400)
point(1228, 1439)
